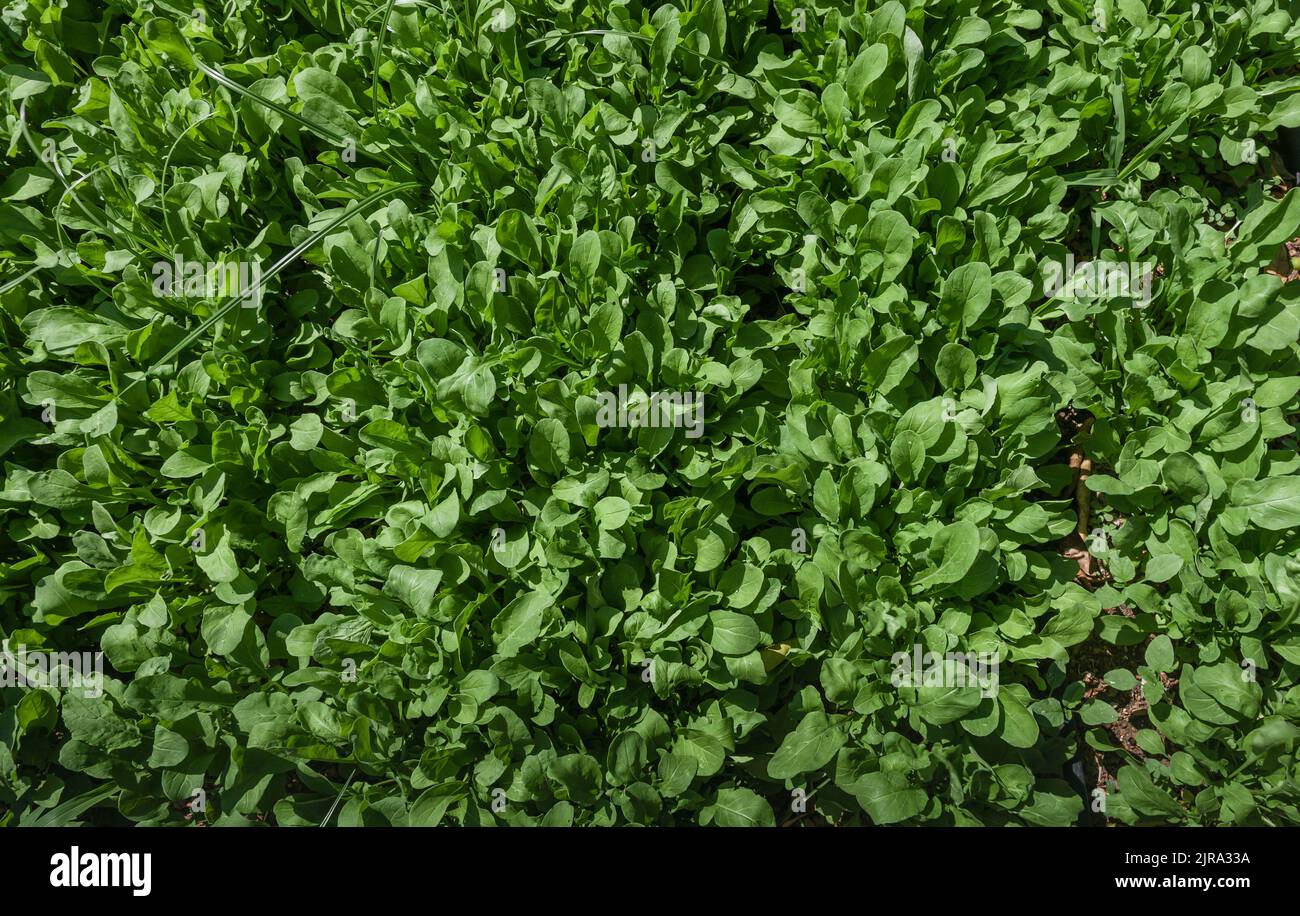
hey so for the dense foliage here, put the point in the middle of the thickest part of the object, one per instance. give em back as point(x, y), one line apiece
point(362, 541)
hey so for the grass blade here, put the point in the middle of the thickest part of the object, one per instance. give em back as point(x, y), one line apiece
point(64, 814)
point(218, 77)
point(16, 280)
point(1150, 149)
point(374, 61)
point(338, 798)
point(231, 301)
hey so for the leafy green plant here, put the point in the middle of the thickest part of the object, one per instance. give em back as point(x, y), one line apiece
point(604, 413)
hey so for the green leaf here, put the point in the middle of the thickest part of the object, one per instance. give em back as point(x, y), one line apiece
point(1137, 789)
point(1273, 504)
point(811, 746)
point(958, 546)
point(520, 622)
point(967, 292)
point(517, 235)
point(741, 808)
point(1160, 653)
point(888, 798)
point(734, 634)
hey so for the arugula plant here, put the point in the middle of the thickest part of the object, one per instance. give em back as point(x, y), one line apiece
point(346, 408)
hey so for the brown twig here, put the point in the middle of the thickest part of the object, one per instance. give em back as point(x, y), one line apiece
point(1081, 464)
